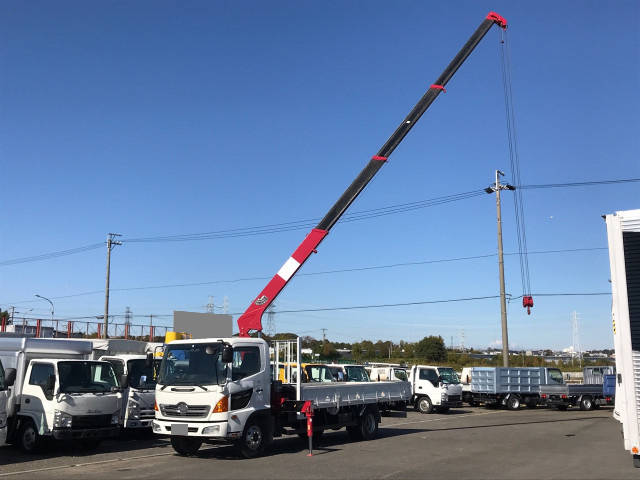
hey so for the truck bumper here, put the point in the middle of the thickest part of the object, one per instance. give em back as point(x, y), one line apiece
point(71, 434)
point(139, 423)
point(214, 430)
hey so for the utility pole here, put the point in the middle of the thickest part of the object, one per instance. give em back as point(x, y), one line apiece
point(111, 242)
point(324, 336)
point(496, 188)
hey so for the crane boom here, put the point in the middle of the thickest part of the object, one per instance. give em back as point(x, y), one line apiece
point(251, 319)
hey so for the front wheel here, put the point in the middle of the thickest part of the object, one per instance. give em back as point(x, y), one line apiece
point(28, 437)
point(425, 405)
point(254, 439)
point(186, 446)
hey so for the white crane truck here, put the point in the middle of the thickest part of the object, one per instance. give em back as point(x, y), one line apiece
point(222, 389)
point(623, 232)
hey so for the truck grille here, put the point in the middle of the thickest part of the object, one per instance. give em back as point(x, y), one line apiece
point(90, 421)
point(184, 410)
point(147, 414)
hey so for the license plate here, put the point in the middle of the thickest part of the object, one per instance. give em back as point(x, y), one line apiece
point(179, 429)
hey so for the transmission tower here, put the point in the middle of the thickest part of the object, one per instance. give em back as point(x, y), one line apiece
point(271, 320)
point(127, 316)
point(225, 305)
point(210, 304)
point(577, 349)
point(462, 340)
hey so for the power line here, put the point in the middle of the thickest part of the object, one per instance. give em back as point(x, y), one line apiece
point(309, 274)
point(303, 224)
point(362, 307)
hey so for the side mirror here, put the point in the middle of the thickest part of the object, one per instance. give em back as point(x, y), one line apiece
point(10, 377)
point(124, 381)
point(149, 360)
point(227, 353)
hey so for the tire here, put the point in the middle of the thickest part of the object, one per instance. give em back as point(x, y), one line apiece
point(255, 438)
point(29, 439)
point(513, 403)
point(586, 403)
point(367, 428)
point(424, 405)
point(186, 446)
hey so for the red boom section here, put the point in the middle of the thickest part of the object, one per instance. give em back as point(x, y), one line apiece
point(251, 319)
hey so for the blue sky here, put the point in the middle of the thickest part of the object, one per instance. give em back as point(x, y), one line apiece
point(154, 118)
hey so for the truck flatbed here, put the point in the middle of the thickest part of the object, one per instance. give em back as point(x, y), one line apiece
point(337, 394)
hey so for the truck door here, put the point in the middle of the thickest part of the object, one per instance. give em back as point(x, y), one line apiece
point(248, 388)
point(428, 384)
point(36, 398)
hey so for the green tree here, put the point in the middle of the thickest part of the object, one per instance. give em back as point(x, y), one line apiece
point(431, 348)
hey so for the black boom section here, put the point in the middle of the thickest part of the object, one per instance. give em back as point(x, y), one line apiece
point(403, 129)
point(631, 241)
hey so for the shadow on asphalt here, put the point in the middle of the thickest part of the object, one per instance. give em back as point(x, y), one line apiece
point(509, 424)
point(292, 445)
point(128, 442)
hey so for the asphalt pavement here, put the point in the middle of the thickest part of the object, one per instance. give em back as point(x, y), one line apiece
point(473, 443)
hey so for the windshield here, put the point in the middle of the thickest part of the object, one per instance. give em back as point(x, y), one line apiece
point(448, 375)
point(318, 373)
point(141, 376)
point(401, 374)
point(192, 364)
point(83, 377)
point(357, 374)
point(555, 376)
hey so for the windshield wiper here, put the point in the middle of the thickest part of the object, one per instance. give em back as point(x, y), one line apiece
point(202, 388)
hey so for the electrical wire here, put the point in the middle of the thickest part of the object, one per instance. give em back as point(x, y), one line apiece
point(322, 272)
point(307, 223)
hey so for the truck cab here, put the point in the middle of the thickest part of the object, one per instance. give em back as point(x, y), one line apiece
point(435, 388)
point(198, 396)
point(349, 373)
point(139, 395)
point(388, 374)
point(310, 372)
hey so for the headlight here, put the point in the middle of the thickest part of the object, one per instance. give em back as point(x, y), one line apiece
point(212, 430)
point(115, 419)
point(61, 419)
point(133, 411)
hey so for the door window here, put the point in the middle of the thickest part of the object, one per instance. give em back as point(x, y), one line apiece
point(40, 373)
point(429, 374)
point(246, 362)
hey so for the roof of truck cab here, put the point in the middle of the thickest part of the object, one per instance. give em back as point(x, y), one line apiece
point(45, 345)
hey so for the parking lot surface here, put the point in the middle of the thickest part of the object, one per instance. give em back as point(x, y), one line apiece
point(467, 443)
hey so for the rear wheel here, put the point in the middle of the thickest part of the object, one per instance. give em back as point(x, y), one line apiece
point(513, 403)
point(586, 403)
point(367, 427)
point(424, 405)
point(186, 446)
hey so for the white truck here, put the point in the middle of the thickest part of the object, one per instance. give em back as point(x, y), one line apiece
point(434, 388)
point(134, 361)
point(58, 392)
point(221, 390)
point(623, 232)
